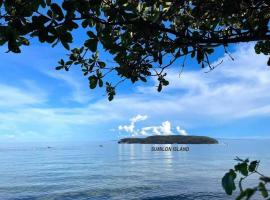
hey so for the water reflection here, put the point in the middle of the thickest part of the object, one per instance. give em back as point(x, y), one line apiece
point(168, 157)
point(127, 151)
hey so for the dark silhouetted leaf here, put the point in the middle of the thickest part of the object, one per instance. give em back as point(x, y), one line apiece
point(242, 168)
point(228, 182)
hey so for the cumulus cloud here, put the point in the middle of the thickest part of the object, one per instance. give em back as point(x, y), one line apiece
point(131, 127)
point(164, 129)
point(138, 118)
point(181, 131)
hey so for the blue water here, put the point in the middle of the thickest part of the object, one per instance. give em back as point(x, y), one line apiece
point(121, 171)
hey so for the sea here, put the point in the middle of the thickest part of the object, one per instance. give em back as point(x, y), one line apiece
point(108, 170)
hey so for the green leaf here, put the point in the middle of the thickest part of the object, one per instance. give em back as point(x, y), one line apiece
point(93, 82)
point(165, 82)
point(65, 44)
point(228, 182)
point(66, 37)
point(242, 168)
point(210, 51)
point(85, 23)
point(249, 193)
point(61, 62)
point(252, 166)
point(143, 79)
point(110, 91)
point(110, 97)
point(59, 67)
point(57, 10)
point(159, 87)
point(70, 25)
point(91, 44)
point(69, 62)
point(24, 41)
point(241, 195)
point(265, 179)
point(91, 34)
point(100, 82)
point(101, 64)
point(263, 190)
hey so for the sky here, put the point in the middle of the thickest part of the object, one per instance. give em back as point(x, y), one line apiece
point(38, 103)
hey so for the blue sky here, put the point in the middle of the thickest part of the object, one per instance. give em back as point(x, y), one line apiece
point(38, 103)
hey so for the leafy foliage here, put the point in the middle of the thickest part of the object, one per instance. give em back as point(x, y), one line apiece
point(228, 182)
point(138, 34)
point(245, 169)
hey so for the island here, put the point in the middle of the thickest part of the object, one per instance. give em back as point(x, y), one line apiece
point(169, 139)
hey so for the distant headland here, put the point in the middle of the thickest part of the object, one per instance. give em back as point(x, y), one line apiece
point(170, 139)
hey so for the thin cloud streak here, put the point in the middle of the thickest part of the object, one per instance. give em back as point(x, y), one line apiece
point(78, 92)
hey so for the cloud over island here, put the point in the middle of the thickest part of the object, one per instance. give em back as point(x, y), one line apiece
point(165, 128)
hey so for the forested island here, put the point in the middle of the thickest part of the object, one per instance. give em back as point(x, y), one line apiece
point(170, 139)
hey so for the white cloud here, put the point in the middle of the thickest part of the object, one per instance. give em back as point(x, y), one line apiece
point(11, 96)
point(181, 131)
point(131, 127)
point(79, 93)
point(164, 129)
point(138, 118)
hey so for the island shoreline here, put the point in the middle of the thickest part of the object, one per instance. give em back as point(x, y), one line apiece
point(169, 139)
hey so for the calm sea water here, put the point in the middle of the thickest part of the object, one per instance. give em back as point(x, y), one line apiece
point(88, 171)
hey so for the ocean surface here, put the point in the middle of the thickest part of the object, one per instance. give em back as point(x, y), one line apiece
point(121, 171)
